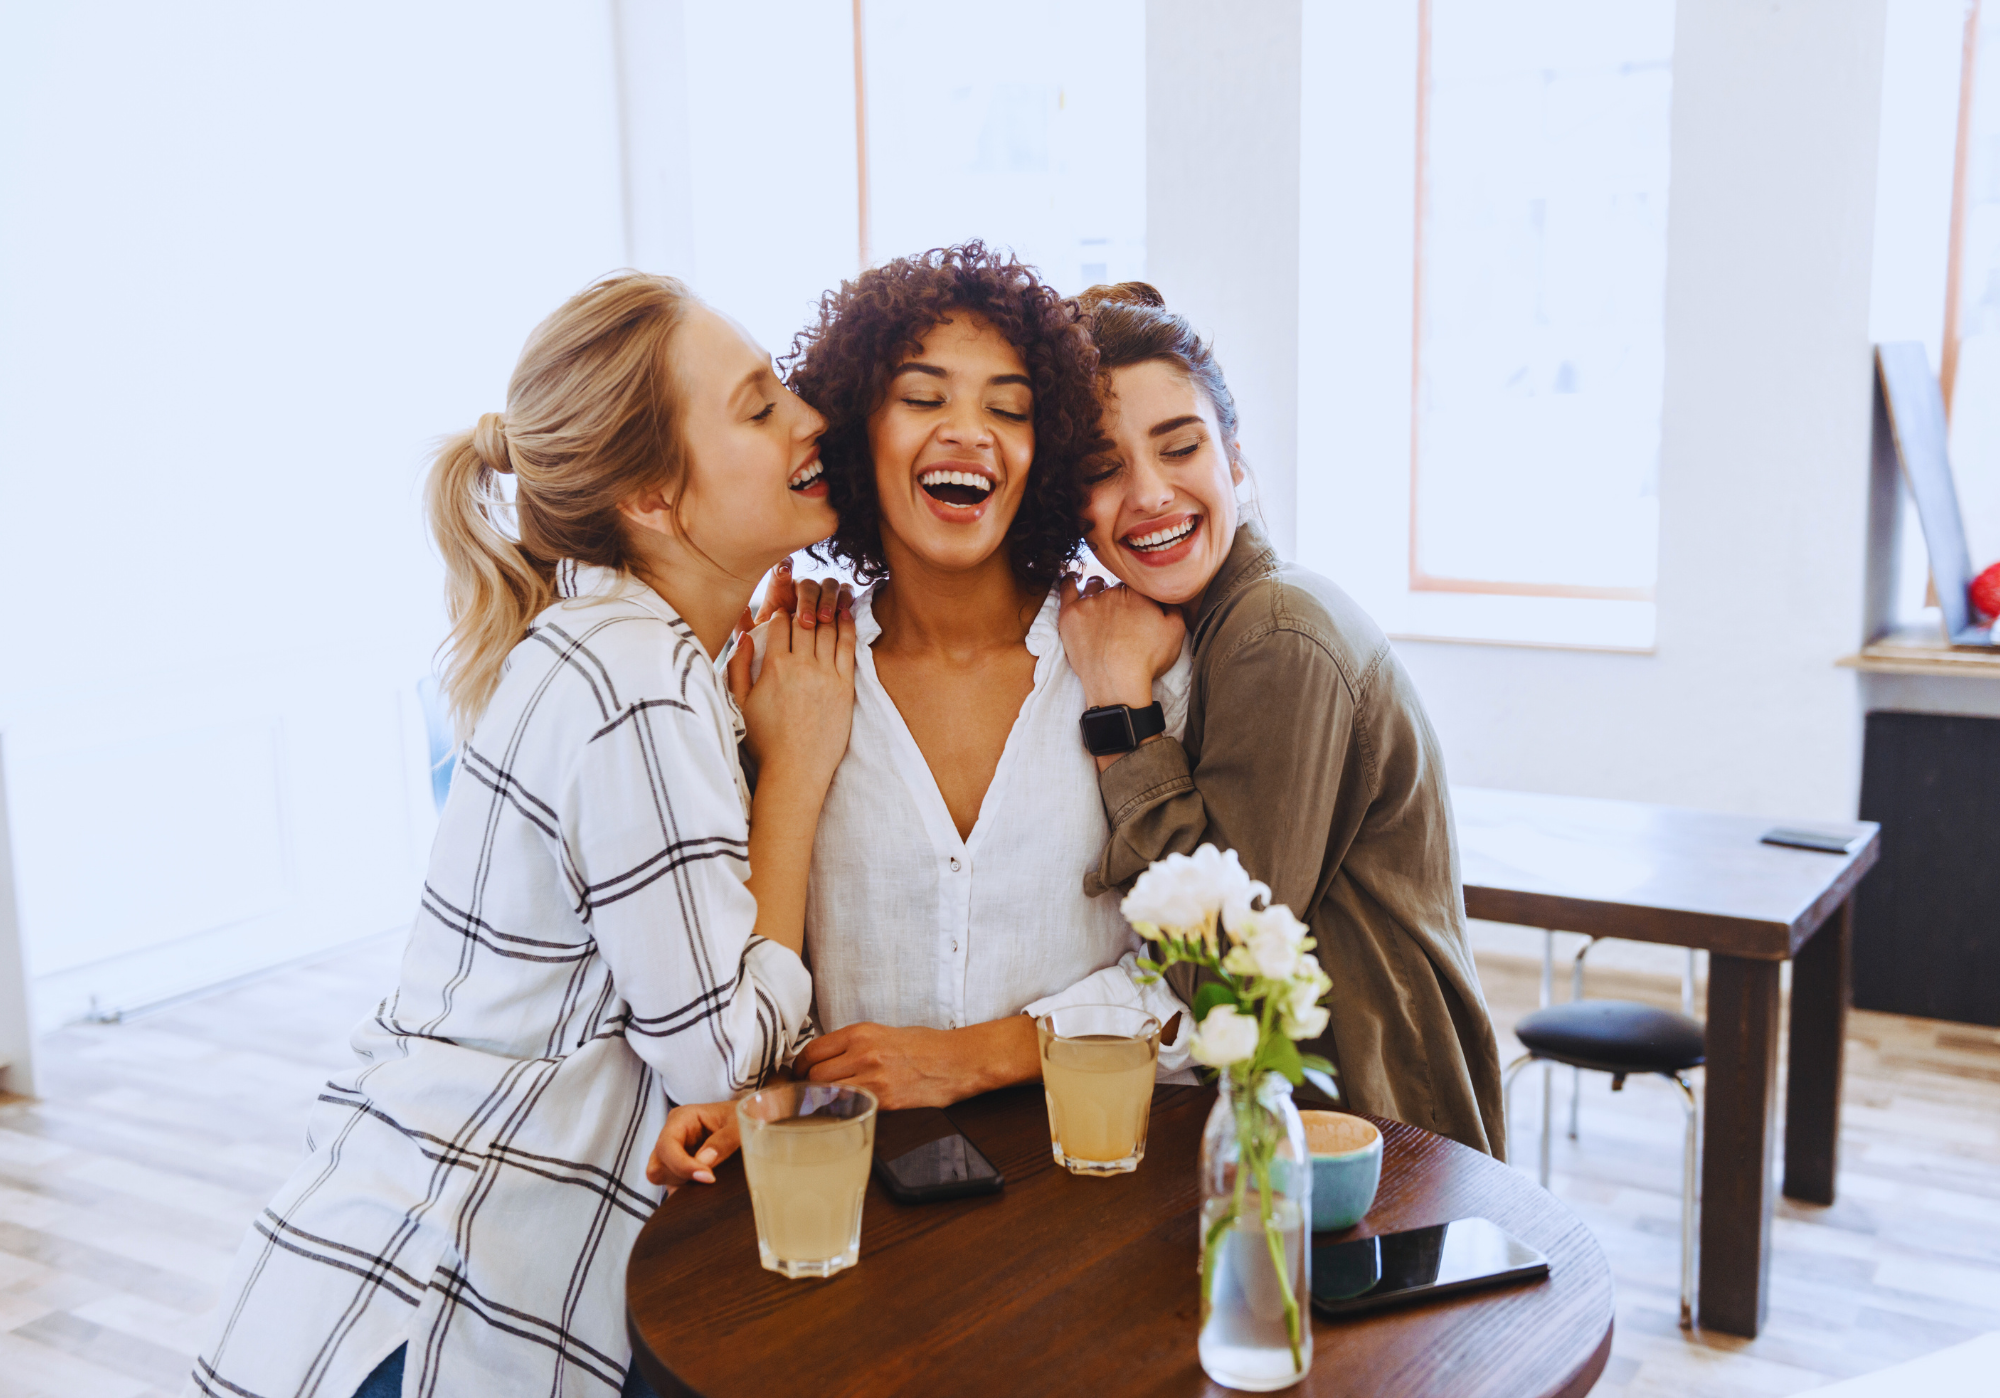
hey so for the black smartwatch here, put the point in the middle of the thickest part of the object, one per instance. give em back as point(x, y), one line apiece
point(1114, 728)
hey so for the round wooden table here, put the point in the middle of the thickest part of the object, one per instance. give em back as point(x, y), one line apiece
point(1060, 1284)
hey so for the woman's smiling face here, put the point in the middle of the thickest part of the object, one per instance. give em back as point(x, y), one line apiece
point(952, 443)
point(1163, 518)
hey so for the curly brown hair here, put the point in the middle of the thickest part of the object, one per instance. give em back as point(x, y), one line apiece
point(841, 365)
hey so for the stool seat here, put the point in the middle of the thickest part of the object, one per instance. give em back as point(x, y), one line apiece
point(1613, 1036)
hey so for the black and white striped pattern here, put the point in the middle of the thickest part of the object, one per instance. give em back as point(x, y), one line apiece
point(582, 957)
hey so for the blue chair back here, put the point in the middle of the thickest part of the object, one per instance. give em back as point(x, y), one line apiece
point(437, 727)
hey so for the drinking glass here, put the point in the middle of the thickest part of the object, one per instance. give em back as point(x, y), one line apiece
point(1097, 1070)
point(807, 1149)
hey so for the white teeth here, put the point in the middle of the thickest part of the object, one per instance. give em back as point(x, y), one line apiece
point(977, 482)
point(1163, 537)
point(809, 475)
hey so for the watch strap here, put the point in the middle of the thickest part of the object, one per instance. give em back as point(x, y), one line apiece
point(1148, 722)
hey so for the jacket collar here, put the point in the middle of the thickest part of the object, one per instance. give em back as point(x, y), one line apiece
point(1250, 557)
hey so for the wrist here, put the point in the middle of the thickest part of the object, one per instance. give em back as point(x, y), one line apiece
point(1132, 687)
point(789, 787)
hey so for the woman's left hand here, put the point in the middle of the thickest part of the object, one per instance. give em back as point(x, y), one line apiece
point(1118, 641)
point(696, 1139)
point(917, 1067)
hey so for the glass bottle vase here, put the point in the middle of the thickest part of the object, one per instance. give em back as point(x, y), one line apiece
point(1256, 1237)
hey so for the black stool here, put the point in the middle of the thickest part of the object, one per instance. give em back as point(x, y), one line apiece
point(1621, 1037)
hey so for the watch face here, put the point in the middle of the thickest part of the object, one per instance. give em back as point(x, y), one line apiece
point(1107, 730)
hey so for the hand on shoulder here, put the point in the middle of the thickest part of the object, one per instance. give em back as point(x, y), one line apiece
point(1118, 640)
point(800, 707)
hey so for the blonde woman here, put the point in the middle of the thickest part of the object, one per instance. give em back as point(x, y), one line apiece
point(592, 945)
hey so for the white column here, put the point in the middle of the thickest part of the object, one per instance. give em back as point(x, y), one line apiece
point(1222, 211)
point(651, 41)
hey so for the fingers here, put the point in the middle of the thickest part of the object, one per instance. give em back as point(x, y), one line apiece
point(721, 1144)
point(778, 594)
point(1092, 586)
point(675, 1160)
point(845, 640)
point(826, 631)
point(805, 609)
point(1067, 587)
point(819, 1050)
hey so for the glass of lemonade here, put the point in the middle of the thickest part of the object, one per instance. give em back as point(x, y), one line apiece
point(807, 1150)
point(1097, 1069)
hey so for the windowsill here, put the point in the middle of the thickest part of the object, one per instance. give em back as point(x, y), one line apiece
point(1561, 623)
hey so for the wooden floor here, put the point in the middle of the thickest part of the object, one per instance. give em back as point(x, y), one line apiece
point(124, 1190)
point(1906, 1263)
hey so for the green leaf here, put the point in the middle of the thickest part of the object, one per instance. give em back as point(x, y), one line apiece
point(1313, 1061)
point(1209, 996)
point(1281, 1055)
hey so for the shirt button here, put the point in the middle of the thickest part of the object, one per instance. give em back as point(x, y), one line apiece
point(954, 946)
point(954, 866)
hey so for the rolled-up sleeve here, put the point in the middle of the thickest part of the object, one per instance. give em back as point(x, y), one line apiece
point(658, 850)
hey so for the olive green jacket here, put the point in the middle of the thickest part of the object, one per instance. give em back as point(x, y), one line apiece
point(1308, 752)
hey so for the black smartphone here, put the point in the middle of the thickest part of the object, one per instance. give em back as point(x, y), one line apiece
point(1363, 1274)
point(1813, 839)
point(950, 1167)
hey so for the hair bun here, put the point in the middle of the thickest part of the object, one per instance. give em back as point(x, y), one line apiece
point(1120, 294)
point(489, 440)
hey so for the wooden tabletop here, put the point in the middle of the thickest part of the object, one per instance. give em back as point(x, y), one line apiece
point(1061, 1284)
point(1651, 873)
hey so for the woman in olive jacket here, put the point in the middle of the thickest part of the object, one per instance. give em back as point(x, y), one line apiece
point(1306, 748)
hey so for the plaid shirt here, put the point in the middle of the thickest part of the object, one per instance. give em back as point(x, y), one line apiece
point(582, 958)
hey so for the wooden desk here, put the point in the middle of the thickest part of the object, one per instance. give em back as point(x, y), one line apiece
point(1697, 879)
point(1062, 1285)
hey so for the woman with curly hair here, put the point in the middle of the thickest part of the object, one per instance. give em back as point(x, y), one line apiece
point(945, 905)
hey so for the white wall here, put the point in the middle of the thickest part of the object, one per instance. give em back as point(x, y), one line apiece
point(1764, 457)
point(256, 259)
point(1222, 211)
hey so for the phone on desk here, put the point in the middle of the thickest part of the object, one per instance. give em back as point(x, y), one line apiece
point(1364, 1274)
point(950, 1167)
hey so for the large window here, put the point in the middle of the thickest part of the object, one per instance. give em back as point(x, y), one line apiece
point(1541, 283)
point(1482, 376)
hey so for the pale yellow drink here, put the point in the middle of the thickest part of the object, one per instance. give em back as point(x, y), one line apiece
point(1099, 1084)
point(808, 1176)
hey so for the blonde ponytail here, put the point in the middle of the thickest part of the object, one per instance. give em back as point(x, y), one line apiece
point(592, 418)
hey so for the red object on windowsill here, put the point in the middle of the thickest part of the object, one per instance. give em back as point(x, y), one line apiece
point(1985, 592)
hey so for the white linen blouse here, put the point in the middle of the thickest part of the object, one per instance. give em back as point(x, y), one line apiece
point(583, 957)
point(907, 924)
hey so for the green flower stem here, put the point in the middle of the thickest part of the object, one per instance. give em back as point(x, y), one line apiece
point(1277, 1248)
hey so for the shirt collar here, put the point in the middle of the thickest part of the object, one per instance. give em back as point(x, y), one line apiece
point(594, 583)
point(1251, 557)
point(1044, 633)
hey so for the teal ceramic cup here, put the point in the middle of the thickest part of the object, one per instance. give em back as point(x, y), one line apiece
point(1346, 1156)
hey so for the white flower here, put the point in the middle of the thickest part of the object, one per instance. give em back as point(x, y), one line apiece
point(1226, 1037)
point(1188, 893)
point(1274, 940)
point(1300, 1014)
